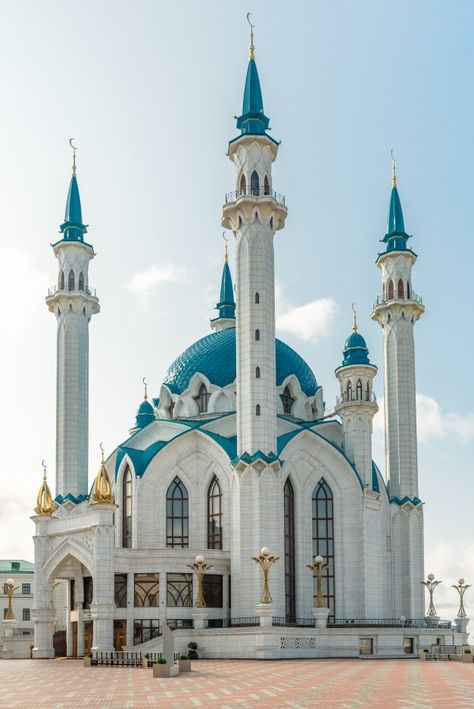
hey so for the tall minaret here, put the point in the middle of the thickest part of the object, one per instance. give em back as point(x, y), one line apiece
point(397, 310)
point(73, 303)
point(254, 211)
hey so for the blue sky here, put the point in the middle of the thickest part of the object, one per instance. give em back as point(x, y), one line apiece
point(149, 91)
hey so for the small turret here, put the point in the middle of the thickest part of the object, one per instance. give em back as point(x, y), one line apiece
point(44, 501)
point(226, 304)
point(145, 412)
point(102, 488)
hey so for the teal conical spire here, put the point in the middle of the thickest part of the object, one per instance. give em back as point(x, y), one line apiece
point(226, 304)
point(396, 236)
point(73, 229)
point(253, 120)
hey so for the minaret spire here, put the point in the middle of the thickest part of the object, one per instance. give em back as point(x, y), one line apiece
point(251, 47)
point(226, 304)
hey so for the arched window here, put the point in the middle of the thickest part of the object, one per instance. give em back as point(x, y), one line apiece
point(257, 298)
point(81, 281)
point(266, 186)
point(408, 290)
point(367, 392)
point(359, 390)
point(254, 184)
point(287, 400)
point(290, 580)
point(214, 515)
point(390, 290)
point(257, 335)
point(177, 515)
point(401, 290)
point(61, 280)
point(349, 391)
point(202, 399)
point(257, 410)
point(323, 538)
point(257, 373)
point(127, 508)
point(70, 280)
point(243, 184)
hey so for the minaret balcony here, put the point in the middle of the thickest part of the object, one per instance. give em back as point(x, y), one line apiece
point(86, 291)
point(413, 298)
point(351, 398)
point(257, 193)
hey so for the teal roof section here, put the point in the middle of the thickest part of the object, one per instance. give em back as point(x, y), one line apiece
point(215, 357)
point(16, 566)
point(226, 304)
point(355, 350)
point(60, 499)
point(145, 414)
point(396, 237)
point(253, 121)
point(73, 229)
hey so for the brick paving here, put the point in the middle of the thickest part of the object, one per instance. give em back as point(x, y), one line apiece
point(240, 684)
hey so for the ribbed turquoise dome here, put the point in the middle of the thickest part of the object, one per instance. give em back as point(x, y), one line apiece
point(214, 356)
point(355, 340)
point(355, 350)
point(145, 414)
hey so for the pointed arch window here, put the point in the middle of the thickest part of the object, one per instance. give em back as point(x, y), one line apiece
point(367, 392)
point(349, 391)
point(390, 289)
point(202, 399)
point(257, 335)
point(254, 184)
point(81, 281)
point(257, 373)
point(70, 280)
point(127, 508)
point(257, 298)
point(214, 515)
point(243, 185)
point(359, 390)
point(408, 290)
point(266, 186)
point(61, 280)
point(257, 410)
point(177, 515)
point(401, 289)
point(290, 575)
point(287, 400)
point(323, 539)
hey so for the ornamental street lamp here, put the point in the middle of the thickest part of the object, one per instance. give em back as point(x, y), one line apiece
point(265, 559)
point(200, 567)
point(319, 569)
point(461, 587)
point(9, 589)
point(431, 584)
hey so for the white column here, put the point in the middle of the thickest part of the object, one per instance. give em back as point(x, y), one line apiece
point(130, 606)
point(103, 605)
point(43, 613)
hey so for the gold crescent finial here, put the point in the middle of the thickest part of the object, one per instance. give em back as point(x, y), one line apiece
point(45, 470)
point(73, 156)
point(102, 452)
point(146, 388)
point(251, 47)
point(354, 318)
point(394, 170)
point(226, 256)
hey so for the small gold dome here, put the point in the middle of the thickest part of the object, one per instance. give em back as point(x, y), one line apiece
point(102, 491)
point(44, 501)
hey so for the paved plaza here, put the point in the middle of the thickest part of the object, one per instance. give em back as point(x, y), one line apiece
point(345, 684)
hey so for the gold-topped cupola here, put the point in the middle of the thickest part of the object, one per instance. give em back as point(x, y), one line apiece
point(44, 501)
point(102, 489)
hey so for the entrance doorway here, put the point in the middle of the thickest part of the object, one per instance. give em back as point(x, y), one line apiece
point(120, 634)
point(87, 636)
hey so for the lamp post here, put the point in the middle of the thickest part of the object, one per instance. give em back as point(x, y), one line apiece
point(265, 560)
point(431, 584)
point(200, 567)
point(319, 569)
point(9, 589)
point(461, 587)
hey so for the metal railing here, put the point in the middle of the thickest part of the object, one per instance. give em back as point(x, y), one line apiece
point(353, 397)
point(389, 623)
point(255, 192)
point(246, 622)
point(381, 300)
point(118, 658)
point(296, 623)
point(88, 291)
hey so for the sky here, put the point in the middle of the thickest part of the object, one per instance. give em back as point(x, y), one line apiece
point(149, 90)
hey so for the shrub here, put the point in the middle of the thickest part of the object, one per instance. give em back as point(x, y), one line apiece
point(183, 657)
point(426, 650)
point(161, 661)
point(192, 645)
point(467, 650)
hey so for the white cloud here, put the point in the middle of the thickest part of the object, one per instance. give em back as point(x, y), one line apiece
point(309, 321)
point(145, 282)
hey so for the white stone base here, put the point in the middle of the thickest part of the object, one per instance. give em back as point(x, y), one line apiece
point(265, 611)
point(199, 616)
point(462, 624)
point(321, 616)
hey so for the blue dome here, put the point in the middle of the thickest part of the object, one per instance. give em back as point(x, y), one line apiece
point(214, 356)
point(355, 350)
point(145, 414)
point(145, 408)
point(355, 340)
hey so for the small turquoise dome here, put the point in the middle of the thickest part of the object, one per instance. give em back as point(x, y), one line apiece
point(355, 350)
point(145, 414)
point(214, 356)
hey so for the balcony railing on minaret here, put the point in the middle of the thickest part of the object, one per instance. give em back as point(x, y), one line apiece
point(257, 192)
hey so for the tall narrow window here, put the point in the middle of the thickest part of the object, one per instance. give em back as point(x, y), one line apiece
point(367, 392)
point(290, 580)
point(287, 400)
point(257, 373)
point(408, 291)
point(323, 538)
point(202, 399)
point(257, 410)
point(390, 289)
point(61, 280)
point(254, 184)
point(257, 335)
point(257, 298)
point(214, 515)
point(401, 290)
point(81, 281)
point(266, 186)
point(243, 184)
point(127, 508)
point(359, 390)
point(177, 515)
point(70, 280)
point(349, 391)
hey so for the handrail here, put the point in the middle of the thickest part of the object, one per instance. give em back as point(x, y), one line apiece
point(256, 192)
point(381, 300)
point(88, 291)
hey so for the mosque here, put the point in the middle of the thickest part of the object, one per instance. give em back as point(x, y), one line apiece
point(238, 453)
